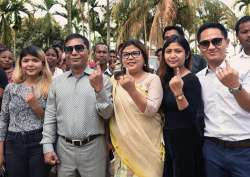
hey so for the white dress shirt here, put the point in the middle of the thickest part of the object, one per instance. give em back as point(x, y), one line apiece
point(224, 118)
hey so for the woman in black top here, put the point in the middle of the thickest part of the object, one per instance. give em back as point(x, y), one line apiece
point(183, 109)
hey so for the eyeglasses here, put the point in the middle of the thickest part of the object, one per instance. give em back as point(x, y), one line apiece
point(78, 48)
point(134, 54)
point(215, 41)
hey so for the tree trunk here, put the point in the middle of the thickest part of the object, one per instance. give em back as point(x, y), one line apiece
point(69, 25)
point(14, 43)
point(81, 13)
point(89, 32)
point(145, 31)
point(108, 24)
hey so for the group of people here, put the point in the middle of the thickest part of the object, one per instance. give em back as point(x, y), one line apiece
point(189, 119)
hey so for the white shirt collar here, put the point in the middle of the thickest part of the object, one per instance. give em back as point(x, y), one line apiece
point(243, 54)
point(208, 70)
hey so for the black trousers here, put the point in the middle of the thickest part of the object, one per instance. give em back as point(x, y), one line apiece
point(183, 153)
point(24, 154)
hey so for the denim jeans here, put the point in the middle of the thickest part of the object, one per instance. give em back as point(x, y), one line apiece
point(24, 154)
point(226, 162)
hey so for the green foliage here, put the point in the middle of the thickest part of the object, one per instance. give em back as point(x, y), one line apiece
point(46, 5)
point(132, 18)
point(33, 31)
point(97, 22)
point(10, 19)
point(77, 23)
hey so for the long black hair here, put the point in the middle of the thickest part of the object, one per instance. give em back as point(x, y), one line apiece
point(167, 72)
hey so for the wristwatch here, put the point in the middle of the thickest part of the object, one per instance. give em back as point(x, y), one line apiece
point(180, 97)
point(235, 90)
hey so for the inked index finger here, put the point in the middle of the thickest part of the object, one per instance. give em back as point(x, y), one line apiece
point(98, 67)
point(227, 64)
point(177, 71)
point(127, 71)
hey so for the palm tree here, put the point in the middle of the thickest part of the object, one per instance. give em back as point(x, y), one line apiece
point(5, 22)
point(172, 12)
point(164, 15)
point(243, 4)
point(80, 8)
point(108, 22)
point(77, 17)
point(189, 15)
point(213, 11)
point(10, 20)
point(131, 18)
point(46, 6)
point(137, 17)
point(32, 31)
point(97, 24)
point(69, 9)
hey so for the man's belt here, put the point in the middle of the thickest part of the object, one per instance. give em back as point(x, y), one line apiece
point(230, 144)
point(78, 142)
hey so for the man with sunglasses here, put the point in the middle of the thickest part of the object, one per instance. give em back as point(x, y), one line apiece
point(226, 96)
point(197, 63)
point(78, 102)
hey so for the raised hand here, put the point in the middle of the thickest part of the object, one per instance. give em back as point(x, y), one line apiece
point(96, 79)
point(127, 82)
point(228, 76)
point(176, 83)
point(30, 97)
point(34, 103)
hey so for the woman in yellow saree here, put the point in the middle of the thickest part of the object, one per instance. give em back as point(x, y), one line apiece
point(136, 128)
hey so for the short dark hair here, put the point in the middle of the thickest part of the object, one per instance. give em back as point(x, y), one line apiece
point(53, 48)
point(77, 36)
point(4, 48)
point(211, 25)
point(99, 43)
point(243, 19)
point(2, 45)
point(177, 28)
point(142, 48)
point(58, 44)
point(112, 51)
point(157, 51)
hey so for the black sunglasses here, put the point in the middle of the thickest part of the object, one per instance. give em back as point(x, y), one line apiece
point(78, 48)
point(215, 41)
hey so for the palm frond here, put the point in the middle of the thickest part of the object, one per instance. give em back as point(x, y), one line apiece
point(164, 15)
